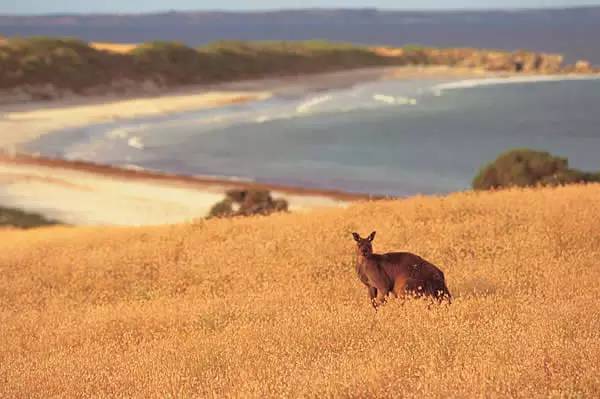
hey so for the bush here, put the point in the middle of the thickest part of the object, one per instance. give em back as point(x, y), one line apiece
point(17, 218)
point(248, 203)
point(524, 167)
point(221, 209)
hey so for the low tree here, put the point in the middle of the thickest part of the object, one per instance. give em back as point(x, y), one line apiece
point(525, 167)
point(10, 217)
point(247, 203)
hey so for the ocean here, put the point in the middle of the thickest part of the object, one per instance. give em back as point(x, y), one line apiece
point(395, 138)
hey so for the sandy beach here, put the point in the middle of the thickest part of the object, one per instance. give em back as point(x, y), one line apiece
point(21, 124)
point(85, 194)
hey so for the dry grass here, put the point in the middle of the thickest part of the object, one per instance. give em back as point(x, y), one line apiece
point(271, 306)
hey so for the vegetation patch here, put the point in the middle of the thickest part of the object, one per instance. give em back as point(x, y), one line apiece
point(72, 64)
point(63, 63)
point(45, 66)
point(525, 167)
point(16, 218)
point(248, 203)
point(168, 62)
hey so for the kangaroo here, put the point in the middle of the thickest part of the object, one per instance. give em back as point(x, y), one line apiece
point(400, 273)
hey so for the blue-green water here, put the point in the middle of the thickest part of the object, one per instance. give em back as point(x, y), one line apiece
point(396, 138)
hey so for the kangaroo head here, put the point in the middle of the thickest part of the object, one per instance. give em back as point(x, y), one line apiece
point(364, 246)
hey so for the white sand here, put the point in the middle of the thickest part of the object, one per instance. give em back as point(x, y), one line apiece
point(86, 198)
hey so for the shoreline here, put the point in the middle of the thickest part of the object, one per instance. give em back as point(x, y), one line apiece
point(175, 179)
point(26, 122)
point(84, 193)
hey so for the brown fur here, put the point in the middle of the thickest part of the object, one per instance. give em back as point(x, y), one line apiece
point(400, 273)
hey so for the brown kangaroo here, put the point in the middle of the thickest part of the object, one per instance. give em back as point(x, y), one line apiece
point(400, 273)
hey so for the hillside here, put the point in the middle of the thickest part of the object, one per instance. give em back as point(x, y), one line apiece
point(47, 68)
point(270, 307)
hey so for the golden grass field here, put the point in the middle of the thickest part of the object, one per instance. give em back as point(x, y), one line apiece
point(271, 307)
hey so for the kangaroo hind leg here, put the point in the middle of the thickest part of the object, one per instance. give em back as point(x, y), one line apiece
point(373, 297)
point(399, 288)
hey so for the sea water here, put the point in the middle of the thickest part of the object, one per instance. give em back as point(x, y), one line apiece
point(400, 137)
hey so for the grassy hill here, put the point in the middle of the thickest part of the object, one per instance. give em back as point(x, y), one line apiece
point(270, 306)
point(69, 64)
point(49, 67)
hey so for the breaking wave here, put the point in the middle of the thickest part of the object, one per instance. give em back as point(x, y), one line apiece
point(484, 82)
point(394, 100)
point(135, 142)
point(310, 104)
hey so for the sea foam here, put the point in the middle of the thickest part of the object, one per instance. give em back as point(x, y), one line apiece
point(473, 83)
point(382, 98)
point(136, 142)
point(310, 104)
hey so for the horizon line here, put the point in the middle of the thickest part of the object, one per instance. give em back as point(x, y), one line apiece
point(288, 9)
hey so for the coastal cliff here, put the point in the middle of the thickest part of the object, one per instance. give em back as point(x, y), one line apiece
point(489, 60)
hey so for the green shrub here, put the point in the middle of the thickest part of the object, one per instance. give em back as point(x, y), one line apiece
point(525, 167)
point(221, 209)
point(20, 219)
point(247, 203)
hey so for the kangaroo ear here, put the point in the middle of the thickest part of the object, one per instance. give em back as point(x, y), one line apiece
point(371, 236)
point(356, 237)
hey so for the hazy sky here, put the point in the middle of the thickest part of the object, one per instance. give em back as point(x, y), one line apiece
point(83, 6)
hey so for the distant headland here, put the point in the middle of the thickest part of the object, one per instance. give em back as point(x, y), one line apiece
point(42, 68)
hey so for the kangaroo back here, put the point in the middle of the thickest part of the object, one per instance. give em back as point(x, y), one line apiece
point(412, 274)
